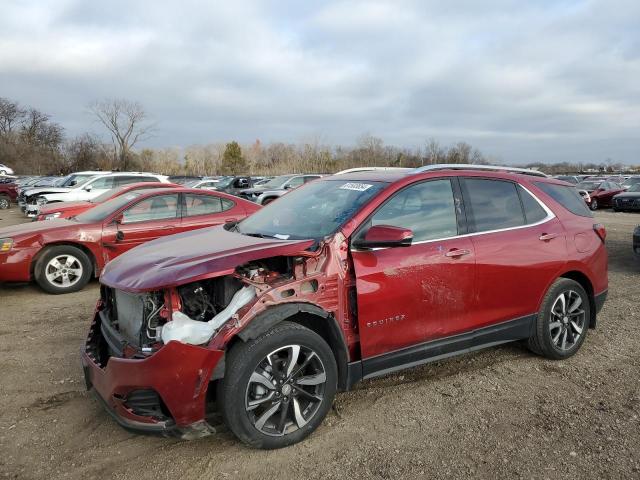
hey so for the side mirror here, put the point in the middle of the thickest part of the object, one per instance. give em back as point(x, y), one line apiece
point(118, 219)
point(288, 187)
point(385, 236)
point(88, 188)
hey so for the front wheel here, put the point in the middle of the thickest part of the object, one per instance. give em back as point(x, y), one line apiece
point(4, 202)
point(63, 269)
point(563, 321)
point(279, 387)
point(594, 204)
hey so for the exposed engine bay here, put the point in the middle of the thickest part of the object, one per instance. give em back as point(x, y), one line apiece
point(191, 313)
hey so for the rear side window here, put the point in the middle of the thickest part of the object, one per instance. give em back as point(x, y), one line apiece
point(491, 204)
point(205, 204)
point(533, 212)
point(568, 197)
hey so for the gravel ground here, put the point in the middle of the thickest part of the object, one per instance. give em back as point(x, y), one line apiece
point(499, 413)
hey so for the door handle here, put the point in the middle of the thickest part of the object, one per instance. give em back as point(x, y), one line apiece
point(545, 237)
point(457, 252)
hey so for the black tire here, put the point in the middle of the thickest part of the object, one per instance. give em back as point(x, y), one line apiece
point(594, 204)
point(542, 341)
point(267, 201)
point(5, 202)
point(76, 282)
point(235, 391)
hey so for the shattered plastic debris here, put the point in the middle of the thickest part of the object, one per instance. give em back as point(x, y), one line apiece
point(184, 329)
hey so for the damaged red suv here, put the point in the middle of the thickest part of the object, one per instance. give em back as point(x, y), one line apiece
point(344, 279)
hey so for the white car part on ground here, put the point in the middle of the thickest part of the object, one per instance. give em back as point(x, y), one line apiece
point(184, 329)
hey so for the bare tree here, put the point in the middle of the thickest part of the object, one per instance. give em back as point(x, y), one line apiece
point(127, 124)
point(10, 115)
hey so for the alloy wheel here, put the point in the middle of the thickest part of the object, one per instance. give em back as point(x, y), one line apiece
point(285, 390)
point(63, 271)
point(4, 203)
point(568, 320)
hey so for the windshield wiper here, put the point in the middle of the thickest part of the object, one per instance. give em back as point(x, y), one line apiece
point(259, 235)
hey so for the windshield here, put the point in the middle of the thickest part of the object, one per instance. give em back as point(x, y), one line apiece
point(588, 185)
point(634, 188)
point(632, 181)
point(191, 183)
point(102, 211)
point(225, 182)
point(313, 211)
point(276, 182)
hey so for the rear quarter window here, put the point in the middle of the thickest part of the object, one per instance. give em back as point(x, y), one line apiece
point(567, 197)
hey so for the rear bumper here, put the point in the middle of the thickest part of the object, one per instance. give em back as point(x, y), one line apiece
point(178, 373)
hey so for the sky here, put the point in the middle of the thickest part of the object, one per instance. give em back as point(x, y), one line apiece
point(523, 81)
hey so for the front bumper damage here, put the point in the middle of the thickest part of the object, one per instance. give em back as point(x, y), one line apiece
point(163, 393)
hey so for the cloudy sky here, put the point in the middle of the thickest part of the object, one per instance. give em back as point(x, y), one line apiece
point(547, 80)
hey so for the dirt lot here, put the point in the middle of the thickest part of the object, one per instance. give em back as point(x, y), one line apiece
point(500, 413)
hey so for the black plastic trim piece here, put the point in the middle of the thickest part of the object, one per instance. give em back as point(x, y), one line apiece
point(434, 350)
point(600, 299)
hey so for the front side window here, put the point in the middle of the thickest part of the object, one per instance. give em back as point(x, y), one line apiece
point(203, 205)
point(427, 208)
point(491, 204)
point(159, 207)
point(295, 182)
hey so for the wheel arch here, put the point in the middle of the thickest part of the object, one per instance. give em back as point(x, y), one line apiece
point(308, 315)
point(585, 282)
point(84, 248)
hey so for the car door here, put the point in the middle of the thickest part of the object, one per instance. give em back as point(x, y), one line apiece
point(519, 245)
point(200, 210)
point(150, 218)
point(409, 295)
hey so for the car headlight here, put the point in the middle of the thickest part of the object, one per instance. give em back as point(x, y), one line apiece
point(6, 244)
point(52, 216)
point(41, 200)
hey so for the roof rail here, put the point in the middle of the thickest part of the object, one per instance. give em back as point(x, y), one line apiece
point(468, 166)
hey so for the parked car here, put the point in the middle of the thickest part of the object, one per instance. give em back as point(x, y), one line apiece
point(182, 179)
point(8, 194)
point(636, 242)
point(206, 184)
point(275, 188)
point(91, 188)
point(4, 170)
point(348, 277)
point(71, 209)
point(630, 182)
point(63, 255)
point(598, 193)
point(233, 185)
point(568, 178)
point(629, 200)
point(54, 185)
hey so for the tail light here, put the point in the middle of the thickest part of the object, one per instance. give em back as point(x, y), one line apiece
point(600, 231)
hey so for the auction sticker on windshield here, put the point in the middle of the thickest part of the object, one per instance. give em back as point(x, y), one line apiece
point(358, 187)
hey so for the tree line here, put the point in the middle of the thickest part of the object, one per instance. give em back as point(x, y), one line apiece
point(32, 143)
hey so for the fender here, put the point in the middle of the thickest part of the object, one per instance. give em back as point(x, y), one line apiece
point(329, 326)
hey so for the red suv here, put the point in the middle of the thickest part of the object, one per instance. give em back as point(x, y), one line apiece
point(344, 279)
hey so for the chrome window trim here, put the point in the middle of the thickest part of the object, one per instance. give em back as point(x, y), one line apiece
point(550, 216)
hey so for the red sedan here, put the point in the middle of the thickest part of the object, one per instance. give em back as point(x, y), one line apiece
point(62, 255)
point(71, 209)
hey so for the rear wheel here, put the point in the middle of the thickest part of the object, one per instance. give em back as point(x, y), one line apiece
point(563, 321)
point(267, 201)
point(4, 202)
point(3, 172)
point(279, 387)
point(63, 269)
point(594, 204)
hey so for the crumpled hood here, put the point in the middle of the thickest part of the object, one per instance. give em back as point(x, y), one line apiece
point(30, 228)
point(191, 256)
point(44, 190)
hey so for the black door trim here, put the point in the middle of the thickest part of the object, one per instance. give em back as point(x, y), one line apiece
point(509, 331)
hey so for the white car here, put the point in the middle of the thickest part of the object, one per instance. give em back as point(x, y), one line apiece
point(4, 170)
point(92, 188)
